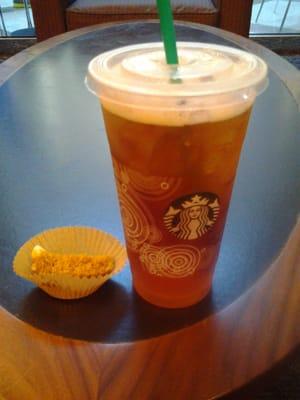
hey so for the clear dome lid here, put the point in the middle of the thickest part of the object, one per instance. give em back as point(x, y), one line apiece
point(203, 69)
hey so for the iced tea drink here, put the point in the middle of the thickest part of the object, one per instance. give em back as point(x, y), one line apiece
point(175, 139)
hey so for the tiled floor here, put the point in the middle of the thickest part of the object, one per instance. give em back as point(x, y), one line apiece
point(268, 22)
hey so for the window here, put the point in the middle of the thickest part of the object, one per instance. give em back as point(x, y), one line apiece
point(16, 18)
point(278, 17)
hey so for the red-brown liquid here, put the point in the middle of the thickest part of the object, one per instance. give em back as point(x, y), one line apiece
point(159, 167)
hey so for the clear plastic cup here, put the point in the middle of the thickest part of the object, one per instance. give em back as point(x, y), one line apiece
point(175, 135)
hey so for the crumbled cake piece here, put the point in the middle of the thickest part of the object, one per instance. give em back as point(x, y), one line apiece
point(81, 265)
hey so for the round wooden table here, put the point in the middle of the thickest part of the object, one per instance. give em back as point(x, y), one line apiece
point(55, 170)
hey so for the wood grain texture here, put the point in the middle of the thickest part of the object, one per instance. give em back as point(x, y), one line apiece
point(49, 20)
point(56, 18)
point(219, 354)
point(235, 16)
point(209, 359)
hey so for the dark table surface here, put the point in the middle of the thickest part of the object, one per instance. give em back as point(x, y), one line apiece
point(55, 170)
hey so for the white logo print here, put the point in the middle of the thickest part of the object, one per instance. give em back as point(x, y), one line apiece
point(190, 217)
point(187, 218)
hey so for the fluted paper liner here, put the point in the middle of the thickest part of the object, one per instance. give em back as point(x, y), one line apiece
point(70, 240)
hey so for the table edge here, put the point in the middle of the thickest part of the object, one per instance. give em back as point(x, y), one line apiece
point(290, 77)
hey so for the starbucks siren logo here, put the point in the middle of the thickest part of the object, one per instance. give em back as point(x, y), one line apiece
point(191, 216)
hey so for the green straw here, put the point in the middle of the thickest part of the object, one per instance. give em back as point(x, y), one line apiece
point(167, 30)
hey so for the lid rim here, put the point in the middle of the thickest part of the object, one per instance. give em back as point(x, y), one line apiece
point(255, 79)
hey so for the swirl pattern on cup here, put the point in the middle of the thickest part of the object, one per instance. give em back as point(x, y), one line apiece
point(170, 261)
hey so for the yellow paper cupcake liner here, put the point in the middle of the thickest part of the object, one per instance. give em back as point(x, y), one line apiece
point(70, 240)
